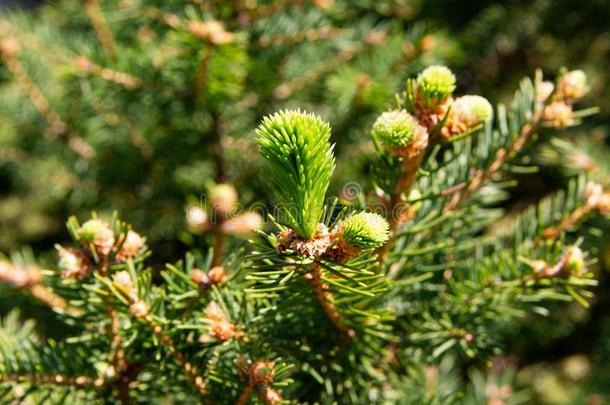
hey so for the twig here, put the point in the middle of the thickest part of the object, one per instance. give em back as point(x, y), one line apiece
point(202, 72)
point(187, 366)
point(245, 395)
point(481, 176)
point(124, 79)
point(219, 243)
point(94, 13)
point(117, 353)
point(325, 298)
point(29, 279)
point(45, 295)
point(57, 379)
point(139, 309)
point(403, 186)
point(573, 219)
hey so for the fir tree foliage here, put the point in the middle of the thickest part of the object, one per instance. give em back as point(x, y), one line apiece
point(385, 296)
point(438, 287)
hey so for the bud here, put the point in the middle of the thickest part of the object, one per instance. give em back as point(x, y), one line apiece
point(9, 47)
point(574, 261)
point(139, 309)
point(73, 264)
point(593, 193)
point(540, 267)
point(559, 114)
point(477, 109)
point(314, 247)
point(196, 218)
point(223, 330)
point(365, 230)
point(199, 277)
point(222, 37)
point(212, 31)
point(271, 396)
point(99, 233)
point(217, 275)
point(84, 64)
point(435, 84)
point(466, 112)
point(243, 224)
point(220, 326)
point(323, 4)
point(356, 233)
point(214, 312)
point(262, 373)
point(572, 85)
point(123, 279)
point(19, 277)
point(223, 199)
point(400, 132)
point(5, 269)
point(604, 203)
point(544, 89)
point(431, 118)
point(131, 247)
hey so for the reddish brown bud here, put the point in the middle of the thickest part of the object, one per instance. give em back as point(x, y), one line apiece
point(199, 277)
point(217, 275)
point(271, 396)
point(262, 373)
point(314, 247)
point(131, 247)
point(559, 114)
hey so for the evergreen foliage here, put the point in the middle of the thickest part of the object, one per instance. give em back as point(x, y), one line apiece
point(411, 286)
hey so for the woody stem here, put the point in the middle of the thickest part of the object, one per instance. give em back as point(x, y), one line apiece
point(403, 186)
point(245, 395)
point(325, 298)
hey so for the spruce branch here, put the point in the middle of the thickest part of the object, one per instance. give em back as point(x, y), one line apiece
point(127, 80)
point(29, 278)
point(113, 330)
point(481, 176)
point(140, 310)
point(596, 199)
point(59, 55)
point(9, 48)
point(190, 370)
point(568, 223)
